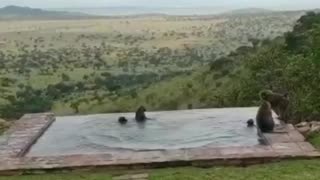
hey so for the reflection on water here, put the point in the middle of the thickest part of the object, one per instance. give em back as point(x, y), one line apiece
point(166, 130)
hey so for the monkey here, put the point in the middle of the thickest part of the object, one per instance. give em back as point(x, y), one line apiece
point(122, 120)
point(279, 103)
point(264, 121)
point(140, 114)
point(264, 118)
point(250, 123)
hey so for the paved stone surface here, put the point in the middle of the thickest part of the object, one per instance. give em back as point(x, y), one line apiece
point(306, 147)
point(278, 138)
point(296, 136)
point(25, 132)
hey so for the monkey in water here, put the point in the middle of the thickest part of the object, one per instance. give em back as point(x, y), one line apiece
point(140, 114)
point(264, 119)
point(250, 123)
point(123, 120)
point(279, 103)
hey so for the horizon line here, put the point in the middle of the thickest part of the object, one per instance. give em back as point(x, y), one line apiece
point(171, 7)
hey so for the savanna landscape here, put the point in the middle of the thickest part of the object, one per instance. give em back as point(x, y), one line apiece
point(81, 64)
point(112, 64)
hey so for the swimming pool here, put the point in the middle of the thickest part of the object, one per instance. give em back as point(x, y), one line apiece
point(101, 133)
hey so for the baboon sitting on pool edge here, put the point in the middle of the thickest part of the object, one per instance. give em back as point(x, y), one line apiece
point(264, 118)
point(140, 114)
point(279, 103)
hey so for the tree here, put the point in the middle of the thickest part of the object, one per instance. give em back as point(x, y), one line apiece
point(75, 106)
point(27, 100)
point(65, 77)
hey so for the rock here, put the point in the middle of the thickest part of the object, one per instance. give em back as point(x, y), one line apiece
point(304, 130)
point(315, 123)
point(303, 124)
point(308, 128)
point(315, 128)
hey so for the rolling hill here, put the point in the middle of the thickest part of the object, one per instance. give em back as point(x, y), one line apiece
point(17, 12)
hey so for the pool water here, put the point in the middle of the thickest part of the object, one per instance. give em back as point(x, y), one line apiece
point(166, 130)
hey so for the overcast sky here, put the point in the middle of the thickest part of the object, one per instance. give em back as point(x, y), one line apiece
point(274, 4)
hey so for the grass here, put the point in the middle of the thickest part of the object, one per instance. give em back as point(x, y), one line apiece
point(287, 170)
point(61, 177)
point(315, 140)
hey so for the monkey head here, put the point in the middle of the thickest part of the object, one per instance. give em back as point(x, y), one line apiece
point(142, 109)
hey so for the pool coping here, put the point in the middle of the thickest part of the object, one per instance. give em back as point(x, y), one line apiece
point(26, 131)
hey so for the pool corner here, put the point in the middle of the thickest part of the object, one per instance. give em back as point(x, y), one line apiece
point(24, 133)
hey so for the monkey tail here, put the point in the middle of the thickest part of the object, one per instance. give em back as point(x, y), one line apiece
point(262, 138)
point(263, 94)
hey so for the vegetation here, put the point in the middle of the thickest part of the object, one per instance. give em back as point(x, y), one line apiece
point(4, 125)
point(285, 64)
point(314, 139)
point(284, 170)
point(226, 64)
point(112, 65)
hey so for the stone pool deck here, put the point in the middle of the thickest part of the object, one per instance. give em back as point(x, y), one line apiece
point(18, 140)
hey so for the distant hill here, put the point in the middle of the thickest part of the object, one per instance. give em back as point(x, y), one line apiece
point(17, 12)
point(140, 10)
point(248, 11)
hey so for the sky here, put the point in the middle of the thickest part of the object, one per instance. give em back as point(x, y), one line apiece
point(270, 4)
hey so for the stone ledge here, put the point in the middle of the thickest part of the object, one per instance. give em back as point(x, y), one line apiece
point(94, 162)
point(24, 133)
point(220, 156)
